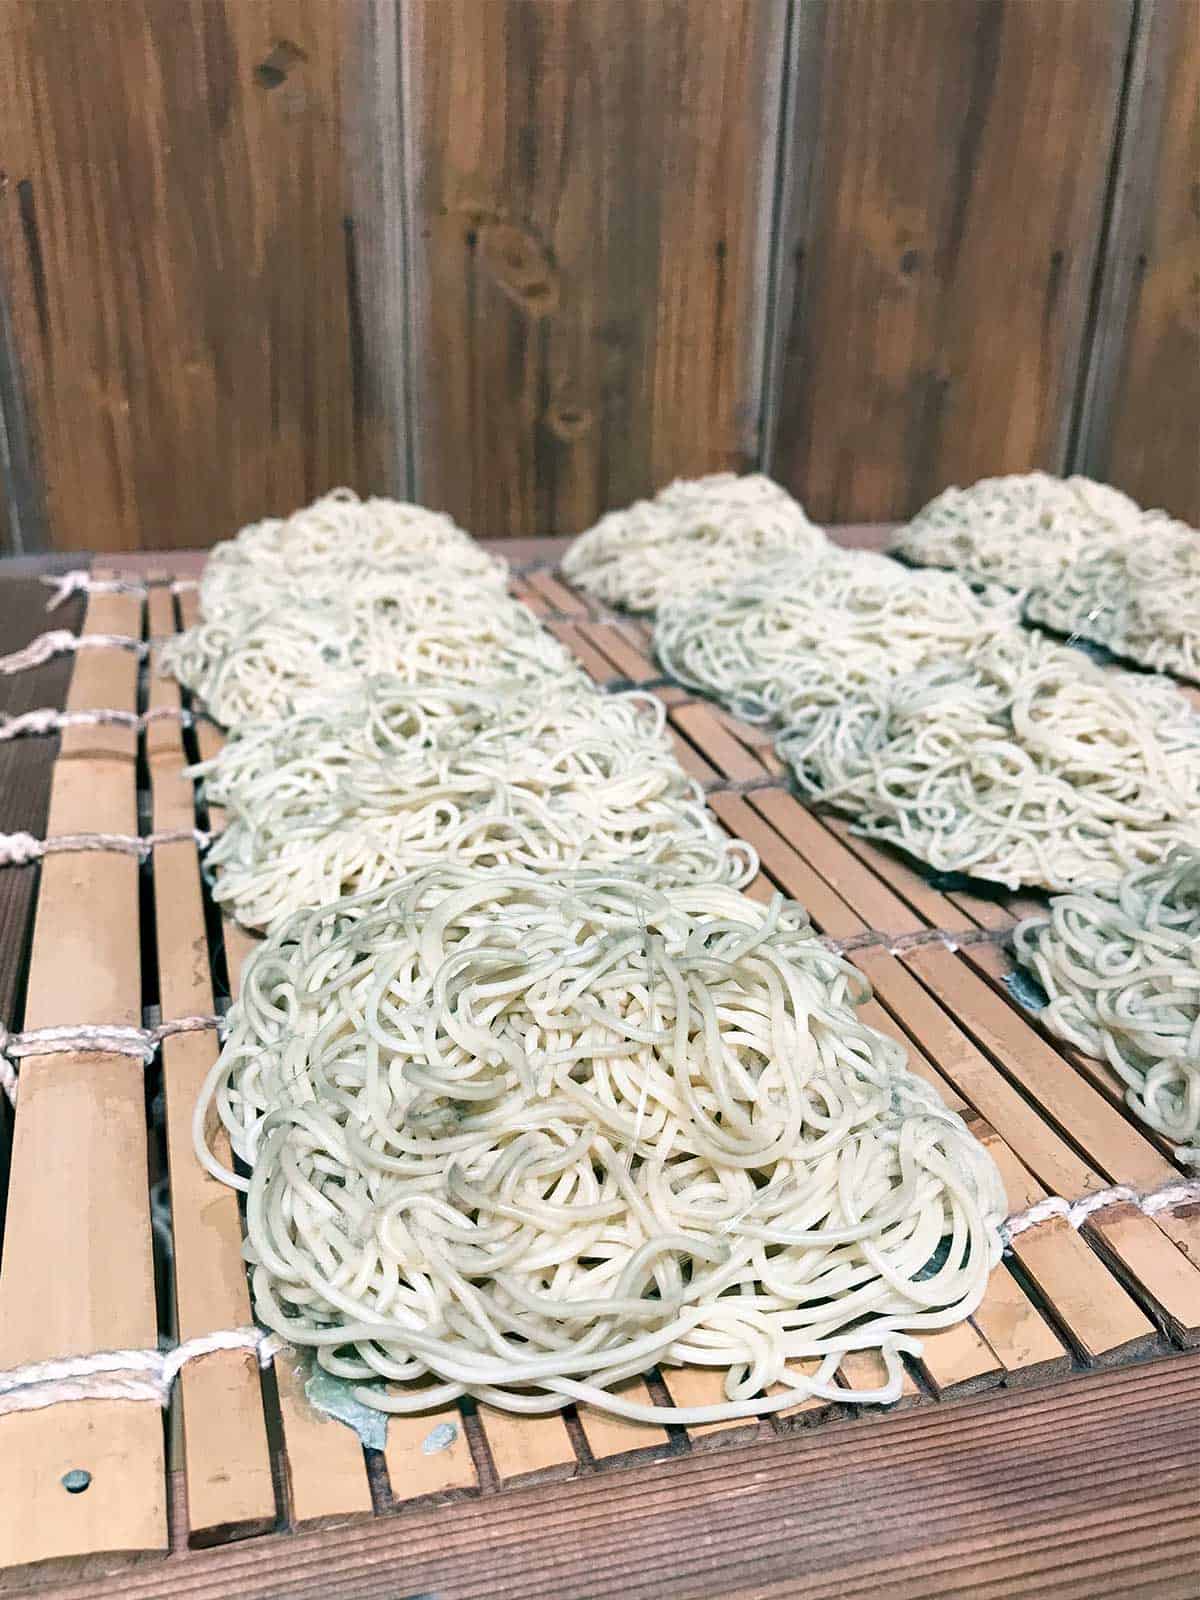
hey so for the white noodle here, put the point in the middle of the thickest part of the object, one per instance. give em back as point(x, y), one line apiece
point(1025, 763)
point(805, 634)
point(323, 548)
point(1121, 965)
point(437, 1085)
point(1141, 600)
point(695, 534)
point(545, 781)
point(251, 666)
point(1019, 530)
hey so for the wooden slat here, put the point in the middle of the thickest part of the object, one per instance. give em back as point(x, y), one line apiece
point(420, 1464)
point(929, 197)
point(705, 1386)
point(175, 178)
point(583, 330)
point(533, 1449)
point(609, 1436)
point(1099, 1318)
point(77, 1270)
point(227, 1459)
point(326, 1471)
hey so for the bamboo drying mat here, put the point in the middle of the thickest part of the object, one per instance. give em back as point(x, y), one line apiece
point(84, 1270)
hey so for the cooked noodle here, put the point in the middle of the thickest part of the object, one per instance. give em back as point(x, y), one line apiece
point(522, 1139)
point(1121, 965)
point(1025, 764)
point(1141, 600)
point(808, 634)
point(1020, 530)
point(695, 534)
point(549, 782)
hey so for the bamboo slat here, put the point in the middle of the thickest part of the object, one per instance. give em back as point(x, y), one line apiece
point(78, 1272)
point(227, 1457)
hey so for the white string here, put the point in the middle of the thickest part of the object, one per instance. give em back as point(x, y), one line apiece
point(79, 581)
point(1179, 1192)
point(61, 641)
point(92, 1039)
point(123, 1374)
point(47, 720)
point(19, 849)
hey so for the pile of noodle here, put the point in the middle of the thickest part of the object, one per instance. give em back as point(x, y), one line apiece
point(521, 1139)
point(695, 534)
point(1141, 600)
point(249, 666)
point(1024, 763)
point(1121, 965)
point(809, 634)
point(552, 782)
point(1020, 530)
point(325, 547)
point(378, 719)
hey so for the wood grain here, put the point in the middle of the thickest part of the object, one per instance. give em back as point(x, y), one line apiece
point(1083, 1490)
point(937, 253)
point(174, 230)
point(1143, 406)
point(591, 208)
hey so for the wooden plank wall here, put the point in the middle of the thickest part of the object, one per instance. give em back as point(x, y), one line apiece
point(528, 259)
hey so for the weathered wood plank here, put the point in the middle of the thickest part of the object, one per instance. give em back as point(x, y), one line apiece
point(591, 212)
point(937, 255)
point(1142, 405)
point(182, 304)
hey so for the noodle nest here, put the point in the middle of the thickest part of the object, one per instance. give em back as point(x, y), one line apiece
point(1020, 530)
point(319, 550)
point(1140, 600)
point(1024, 763)
point(1120, 963)
point(522, 1139)
point(809, 634)
point(250, 666)
point(551, 782)
point(695, 534)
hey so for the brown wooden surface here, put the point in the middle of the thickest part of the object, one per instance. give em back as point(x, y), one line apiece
point(530, 259)
point(1082, 1491)
point(593, 181)
point(171, 233)
point(937, 255)
point(1143, 427)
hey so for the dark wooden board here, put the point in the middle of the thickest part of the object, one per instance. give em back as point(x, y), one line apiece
point(937, 252)
point(592, 191)
point(174, 233)
point(1142, 428)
